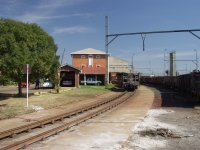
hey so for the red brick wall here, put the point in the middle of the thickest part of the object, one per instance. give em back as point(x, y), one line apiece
point(77, 61)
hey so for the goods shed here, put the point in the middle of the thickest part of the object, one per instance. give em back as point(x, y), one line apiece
point(69, 76)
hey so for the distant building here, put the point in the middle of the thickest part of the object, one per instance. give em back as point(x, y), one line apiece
point(92, 64)
point(172, 59)
point(117, 66)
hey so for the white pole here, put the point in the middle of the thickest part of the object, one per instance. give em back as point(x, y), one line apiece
point(84, 79)
point(27, 68)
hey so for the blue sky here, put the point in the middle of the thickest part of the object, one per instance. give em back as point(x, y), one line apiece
point(80, 24)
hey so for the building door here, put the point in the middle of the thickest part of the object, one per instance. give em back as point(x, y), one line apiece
point(90, 60)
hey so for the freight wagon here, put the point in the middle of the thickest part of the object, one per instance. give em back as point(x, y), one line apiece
point(186, 83)
point(128, 81)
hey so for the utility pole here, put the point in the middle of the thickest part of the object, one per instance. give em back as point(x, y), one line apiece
point(164, 62)
point(151, 72)
point(132, 64)
point(62, 57)
point(186, 70)
point(197, 64)
point(57, 82)
point(106, 50)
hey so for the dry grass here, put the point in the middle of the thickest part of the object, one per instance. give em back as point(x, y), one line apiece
point(15, 106)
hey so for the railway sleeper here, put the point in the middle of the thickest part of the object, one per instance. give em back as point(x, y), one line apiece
point(57, 132)
point(29, 130)
point(43, 138)
point(41, 125)
point(12, 135)
point(24, 146)
point(76, 123)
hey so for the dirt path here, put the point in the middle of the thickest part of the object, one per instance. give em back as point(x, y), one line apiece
point(107, 131)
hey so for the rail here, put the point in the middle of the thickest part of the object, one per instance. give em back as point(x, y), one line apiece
point(99, 108)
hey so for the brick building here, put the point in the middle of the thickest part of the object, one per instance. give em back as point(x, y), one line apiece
point(91, 62)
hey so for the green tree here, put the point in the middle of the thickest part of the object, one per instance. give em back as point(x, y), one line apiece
point(25, 43)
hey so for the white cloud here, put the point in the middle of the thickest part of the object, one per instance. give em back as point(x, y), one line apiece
point(38, 18)
point(74, 29)
point(52, 4)
point(190, 53)
point(33, 17)
point(44, 10)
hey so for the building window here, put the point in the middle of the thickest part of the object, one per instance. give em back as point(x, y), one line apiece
point(82, 56)
point(98, 56)
point(98, 66)
point(90, 60)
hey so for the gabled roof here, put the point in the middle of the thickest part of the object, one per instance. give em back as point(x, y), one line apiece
point(70, 66)
point(118, 65)
point(89, 51)
point(117, 59)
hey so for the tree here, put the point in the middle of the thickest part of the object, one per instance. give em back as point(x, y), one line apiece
point(25, 43)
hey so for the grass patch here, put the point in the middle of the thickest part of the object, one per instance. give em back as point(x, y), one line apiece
point(12, 107)
point(89, 91)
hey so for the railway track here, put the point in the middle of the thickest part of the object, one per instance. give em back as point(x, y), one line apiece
point(25, 135)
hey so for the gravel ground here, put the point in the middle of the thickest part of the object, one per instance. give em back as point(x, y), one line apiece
point(166, 128)
point(171, 124)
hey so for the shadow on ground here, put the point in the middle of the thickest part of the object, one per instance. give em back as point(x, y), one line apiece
point(114, 89)
point(168, 98)
point(5, 96)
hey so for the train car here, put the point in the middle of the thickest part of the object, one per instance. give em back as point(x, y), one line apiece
point(195, 85)
point(170, 82)
point(128, 81)
point(155, 80)
point(132, 81)
point(186, 83)
point(119, 79)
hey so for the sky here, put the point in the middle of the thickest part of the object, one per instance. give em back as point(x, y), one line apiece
point(80, 24)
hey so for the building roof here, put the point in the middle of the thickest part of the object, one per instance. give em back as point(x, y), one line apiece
point(118, 65)
point(89, 51)
point(70, 66)
point(115, 60)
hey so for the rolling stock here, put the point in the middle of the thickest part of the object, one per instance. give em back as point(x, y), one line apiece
point(128, 81)
point(187, 83)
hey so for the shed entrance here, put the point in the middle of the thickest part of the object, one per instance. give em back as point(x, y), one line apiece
point(67, 79)
point(69, 76)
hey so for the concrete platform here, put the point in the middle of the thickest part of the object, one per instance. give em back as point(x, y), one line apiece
point(106, 131)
